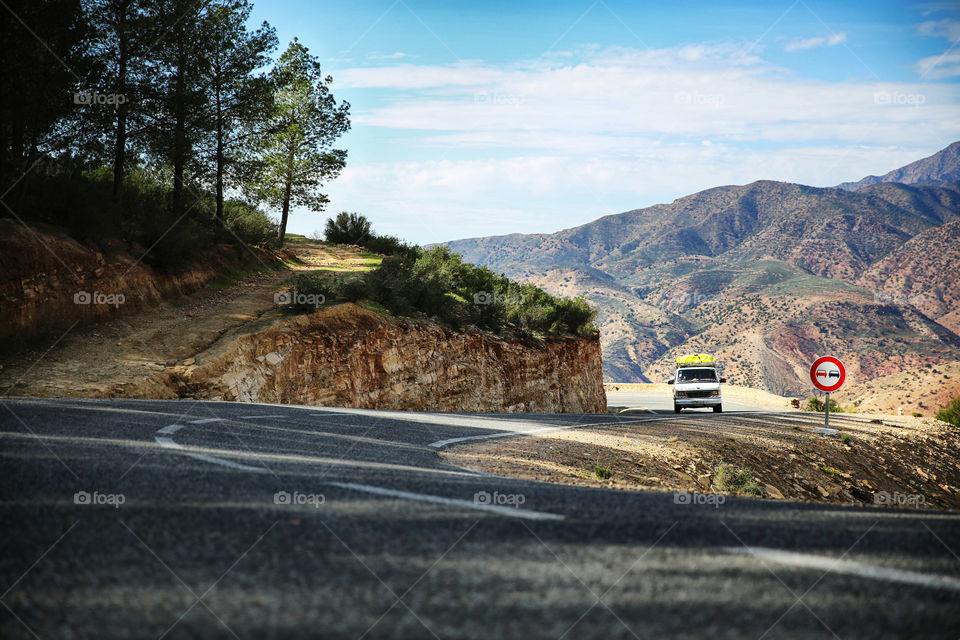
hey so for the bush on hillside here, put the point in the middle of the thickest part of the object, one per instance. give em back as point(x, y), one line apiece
point(307, 292)
point(251, 225)
point(951, 412)
point(816, 404)
point(347, 228)
point(439, 284)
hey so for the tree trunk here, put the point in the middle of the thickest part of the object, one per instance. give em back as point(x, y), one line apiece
point(287, 188)
point(120, 144)
point(286, 210)
point(179, 134)
point(220, 216)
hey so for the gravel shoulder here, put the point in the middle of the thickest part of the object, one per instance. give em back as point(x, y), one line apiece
point(897, 460)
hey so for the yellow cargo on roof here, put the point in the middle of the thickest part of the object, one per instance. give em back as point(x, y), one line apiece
point(696, 358)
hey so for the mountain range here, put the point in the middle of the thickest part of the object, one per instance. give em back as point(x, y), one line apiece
point(766, 275)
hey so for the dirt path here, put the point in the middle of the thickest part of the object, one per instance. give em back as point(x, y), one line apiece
point(132, 354)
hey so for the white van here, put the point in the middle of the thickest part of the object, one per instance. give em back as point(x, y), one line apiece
point(697, 383)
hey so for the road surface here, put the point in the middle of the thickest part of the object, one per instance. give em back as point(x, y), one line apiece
point(180, 519)
point(662, 402)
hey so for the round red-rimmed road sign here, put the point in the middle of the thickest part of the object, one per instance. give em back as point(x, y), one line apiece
point(827, 374)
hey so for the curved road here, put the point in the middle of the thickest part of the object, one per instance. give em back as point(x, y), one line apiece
point(178, 519)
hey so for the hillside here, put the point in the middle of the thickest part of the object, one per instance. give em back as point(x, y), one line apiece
point(943, 166)
point(766, 275)
point(233, 340)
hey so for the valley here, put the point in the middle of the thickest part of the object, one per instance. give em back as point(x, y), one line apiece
point(766, 276)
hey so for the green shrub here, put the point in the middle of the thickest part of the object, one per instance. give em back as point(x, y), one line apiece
point(389, 246)
point(816, 404)
point(352, 289)
point(170, 244)
point(307, 292)
point(951, 412)
point(737, 479)
point(250, 225)
point(347, 228)
point(439, 284)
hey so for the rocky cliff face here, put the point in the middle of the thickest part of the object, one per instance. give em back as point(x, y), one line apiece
point(348, 356)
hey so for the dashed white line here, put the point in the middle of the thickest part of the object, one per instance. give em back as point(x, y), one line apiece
point(849, 567)
point(169, 443)
point(506, 434)
point(206, 420)
point(255, 417)
point(171, 429)
point(512, 512)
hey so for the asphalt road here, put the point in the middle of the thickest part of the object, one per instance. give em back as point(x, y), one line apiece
point(166, 519)
point(658, 402)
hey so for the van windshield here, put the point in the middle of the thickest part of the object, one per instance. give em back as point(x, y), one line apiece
point(697, 375)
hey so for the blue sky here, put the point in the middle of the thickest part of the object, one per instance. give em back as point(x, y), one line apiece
point(488, 118)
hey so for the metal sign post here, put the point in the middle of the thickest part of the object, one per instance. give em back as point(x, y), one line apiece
point(826, 412)
point(827, 374)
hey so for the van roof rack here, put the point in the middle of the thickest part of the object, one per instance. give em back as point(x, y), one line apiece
point(695, 359)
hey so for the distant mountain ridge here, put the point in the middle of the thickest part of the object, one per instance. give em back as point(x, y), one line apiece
point(765, 275)
point(943, 166)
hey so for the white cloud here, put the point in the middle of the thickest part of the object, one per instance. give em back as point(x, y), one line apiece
point(812, 43)
point(614, 100)
point(946, 28)
point(396, 55)
point(438, 200)
point(939, 67)
point(552, 143)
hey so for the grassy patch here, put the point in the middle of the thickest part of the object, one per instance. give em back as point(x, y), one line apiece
point(601, 471)
point(738, 480)
point(831, 471)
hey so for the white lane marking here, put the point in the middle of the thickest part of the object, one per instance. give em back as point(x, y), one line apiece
point(206, 420)
point(630, 409)
point(849, 567)
point(171, 429)
point(254, 417)
point(512, 512)
point(169, 443)
point(506, 434)
point(327, 414)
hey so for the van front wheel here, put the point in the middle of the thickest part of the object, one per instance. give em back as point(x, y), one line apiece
point(718, 409)
point(676, 408)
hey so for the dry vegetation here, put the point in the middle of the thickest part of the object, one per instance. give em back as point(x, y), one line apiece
point(913, 460)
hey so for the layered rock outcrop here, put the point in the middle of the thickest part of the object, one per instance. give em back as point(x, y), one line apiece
point(348, 356)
